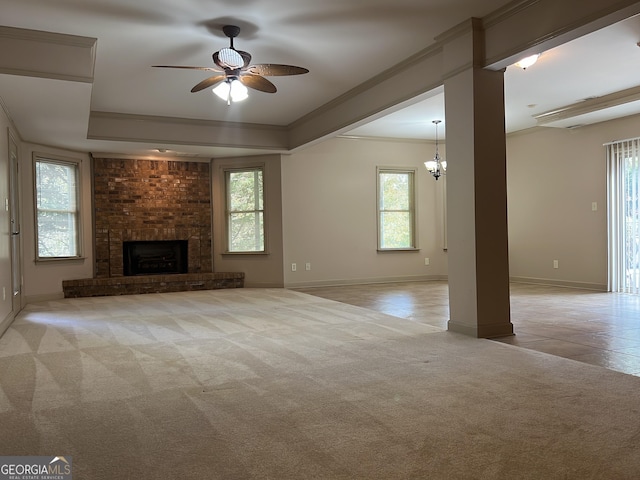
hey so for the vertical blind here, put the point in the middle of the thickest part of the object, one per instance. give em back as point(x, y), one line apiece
point(623, 215)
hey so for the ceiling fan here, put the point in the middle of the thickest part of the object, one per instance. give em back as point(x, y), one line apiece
point(235, 72)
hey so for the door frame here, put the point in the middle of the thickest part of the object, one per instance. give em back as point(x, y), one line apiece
point(14, 214)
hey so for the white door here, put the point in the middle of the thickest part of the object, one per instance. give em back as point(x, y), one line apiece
point(14, 199)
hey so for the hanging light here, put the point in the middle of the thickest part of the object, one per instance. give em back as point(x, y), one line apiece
point(436, 166)
point(231, 90)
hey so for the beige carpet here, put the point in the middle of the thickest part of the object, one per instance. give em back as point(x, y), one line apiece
point(276, 384)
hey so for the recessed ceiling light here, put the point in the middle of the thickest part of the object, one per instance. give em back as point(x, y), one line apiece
point(527, 61)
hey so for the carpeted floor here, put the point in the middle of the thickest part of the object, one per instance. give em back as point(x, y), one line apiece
point(277, 384)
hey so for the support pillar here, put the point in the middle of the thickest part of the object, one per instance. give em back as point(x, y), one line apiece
point(476, 192)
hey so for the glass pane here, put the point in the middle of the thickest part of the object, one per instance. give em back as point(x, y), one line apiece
point(245, 191)
point(56, 186)
point(57, 234)
point(394, 191)
point(246, 232)
point(632, 224)
point(395, 230)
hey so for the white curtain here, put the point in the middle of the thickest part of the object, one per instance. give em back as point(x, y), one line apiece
point(623, 215)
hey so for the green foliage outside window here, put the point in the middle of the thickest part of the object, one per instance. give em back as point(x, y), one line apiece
point(245, 207)
point(57, 209)
point(395, 209)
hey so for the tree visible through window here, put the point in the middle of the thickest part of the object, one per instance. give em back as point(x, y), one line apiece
point(245, 210)
point(57, 212)
point(396, 212)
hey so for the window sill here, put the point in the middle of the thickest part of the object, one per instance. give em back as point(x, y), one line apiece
point(60, 260)
point(390, 250)
point(244, 253)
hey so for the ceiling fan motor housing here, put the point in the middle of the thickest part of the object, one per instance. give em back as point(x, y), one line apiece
point(231, 31)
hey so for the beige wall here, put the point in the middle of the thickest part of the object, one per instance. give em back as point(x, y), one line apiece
point(261, 270)
point(554, 176)
point(43, 281)
point(322, 211)
point(329, 214)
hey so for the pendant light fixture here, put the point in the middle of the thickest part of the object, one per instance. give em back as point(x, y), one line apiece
point(436, 166)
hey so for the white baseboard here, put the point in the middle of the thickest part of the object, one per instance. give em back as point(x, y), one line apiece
point(46, 297)
point(262, 285)
point(6, 323)
point(560, 283)
point(366, 281)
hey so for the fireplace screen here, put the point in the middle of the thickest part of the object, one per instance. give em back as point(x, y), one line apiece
point(155, 257)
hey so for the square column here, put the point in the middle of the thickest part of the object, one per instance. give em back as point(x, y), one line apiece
point(477, 203)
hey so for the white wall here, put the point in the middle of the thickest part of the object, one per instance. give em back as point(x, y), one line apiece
point(43, 281)
point(554, 176)
point(329, 214)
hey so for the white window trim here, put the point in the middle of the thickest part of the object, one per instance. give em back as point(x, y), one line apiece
point(77, 163)
point(245, 168)
point(413, 208)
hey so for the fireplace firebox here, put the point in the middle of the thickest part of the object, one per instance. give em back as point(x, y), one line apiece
point(155, 257)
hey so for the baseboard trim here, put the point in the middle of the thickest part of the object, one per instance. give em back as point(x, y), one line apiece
point(426, 278)
point(6, 323)
point(262, 285)
point(560, 283)
point(366, 281)
point(46, 297)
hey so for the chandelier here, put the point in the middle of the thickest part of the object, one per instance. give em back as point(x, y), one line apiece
point(436, 166)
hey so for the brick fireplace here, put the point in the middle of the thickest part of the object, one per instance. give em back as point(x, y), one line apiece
point(151, 202)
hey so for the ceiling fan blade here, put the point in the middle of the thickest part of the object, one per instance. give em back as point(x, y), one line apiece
point(258, 83)
point(210, 69)
point(208, 82)
point(274, 70)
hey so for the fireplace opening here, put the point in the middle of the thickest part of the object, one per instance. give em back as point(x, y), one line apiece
point(155, 257)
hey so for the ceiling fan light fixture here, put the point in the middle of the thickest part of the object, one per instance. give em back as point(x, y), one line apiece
point(231, 90)
point(526, 62)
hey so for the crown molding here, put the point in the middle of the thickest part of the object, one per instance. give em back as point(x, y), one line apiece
point(184, 131)
point(35, 53)
point(589, 106)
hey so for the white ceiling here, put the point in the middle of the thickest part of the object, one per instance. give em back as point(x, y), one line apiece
point(343, 43)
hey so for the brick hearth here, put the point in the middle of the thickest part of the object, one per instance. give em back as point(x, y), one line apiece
point(97, 287)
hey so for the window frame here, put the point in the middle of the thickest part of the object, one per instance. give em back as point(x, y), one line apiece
point(227, 171)
point(413, 193)
point(76, 164)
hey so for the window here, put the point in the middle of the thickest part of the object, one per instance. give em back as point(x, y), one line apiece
point(57, 192)
point(396, 209)
point(245, 210)
point(623, 188)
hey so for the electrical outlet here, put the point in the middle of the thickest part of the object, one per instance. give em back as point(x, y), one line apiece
point(555, 264)
point(594, 206)
point(294, 267)
point(426, 261)
point(307, 266)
